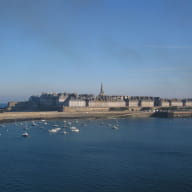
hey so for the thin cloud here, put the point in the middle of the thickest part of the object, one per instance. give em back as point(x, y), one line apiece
point(161, 70)
point(168, 47)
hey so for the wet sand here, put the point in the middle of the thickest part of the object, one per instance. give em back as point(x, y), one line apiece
point(22, 116)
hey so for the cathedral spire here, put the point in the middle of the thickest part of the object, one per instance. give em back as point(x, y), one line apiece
point(101, 91)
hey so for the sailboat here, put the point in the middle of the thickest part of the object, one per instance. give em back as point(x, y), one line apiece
point(25, 134)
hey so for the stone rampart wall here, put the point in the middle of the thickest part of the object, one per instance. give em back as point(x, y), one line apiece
point(84, 109)
point(147, 103)
point(108, 104)
point(188, 103)
point(165, 104)
point(176, 104)
point(77, 103)
point(133, 104)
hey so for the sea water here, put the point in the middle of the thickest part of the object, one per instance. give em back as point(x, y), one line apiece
point(142, 155)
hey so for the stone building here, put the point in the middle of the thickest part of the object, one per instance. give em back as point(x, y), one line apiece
point(176, 103)
point(187, 102)
point(48, 101)
point(147, 103)
point(87, 97)
point(107, 104)
point(89, 102)
point(77, 103)
point(21, 106)
point(164, 103)
point(133, 103)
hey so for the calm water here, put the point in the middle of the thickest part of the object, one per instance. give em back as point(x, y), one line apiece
point(143, 155)
point(2, 105)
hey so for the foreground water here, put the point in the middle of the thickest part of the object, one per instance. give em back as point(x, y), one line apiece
point(142, 155)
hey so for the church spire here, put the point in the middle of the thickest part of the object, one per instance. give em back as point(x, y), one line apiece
point(101, 91)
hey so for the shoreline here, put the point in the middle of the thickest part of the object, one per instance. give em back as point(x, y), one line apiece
point(50, 115)
point(27, 116)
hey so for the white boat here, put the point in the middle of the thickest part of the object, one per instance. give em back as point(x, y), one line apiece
point(74, 129)
point(55, 130)
point(25, 134)
point(33, 123)
point(65, 132)
point(115, 127)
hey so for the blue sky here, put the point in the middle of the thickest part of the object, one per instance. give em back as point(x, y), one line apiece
point(134, 47)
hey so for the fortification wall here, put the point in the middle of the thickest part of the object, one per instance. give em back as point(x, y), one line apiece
point(77, 103)
point(11, 105)
point(165, 104)
point(176, 104)
point(133, 103)
point(49, 101)
point(22, 106)
point(146, 103)
point(84, 109)
point(188, 103)
point(100, 104)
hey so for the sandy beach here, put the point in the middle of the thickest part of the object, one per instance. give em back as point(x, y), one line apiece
point(21, 116)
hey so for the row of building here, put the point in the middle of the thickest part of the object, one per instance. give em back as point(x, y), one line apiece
point(132, 103)
point(60, 101)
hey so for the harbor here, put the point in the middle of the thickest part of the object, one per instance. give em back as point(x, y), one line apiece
point(104, 152)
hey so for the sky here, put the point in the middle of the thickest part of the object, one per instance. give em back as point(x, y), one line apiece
point(134, 47)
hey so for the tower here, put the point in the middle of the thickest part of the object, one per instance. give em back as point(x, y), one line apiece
point(101, 91)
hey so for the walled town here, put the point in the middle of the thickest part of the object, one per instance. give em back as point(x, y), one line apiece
point(88, 102)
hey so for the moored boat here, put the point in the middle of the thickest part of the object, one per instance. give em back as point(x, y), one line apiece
point(115, 127)
point(25, 134)
point(55, 130)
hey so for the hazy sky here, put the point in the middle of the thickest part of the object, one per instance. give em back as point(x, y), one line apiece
point(135, 47)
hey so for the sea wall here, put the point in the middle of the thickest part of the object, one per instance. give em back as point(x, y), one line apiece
point(22, 106)
point(85, 109)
